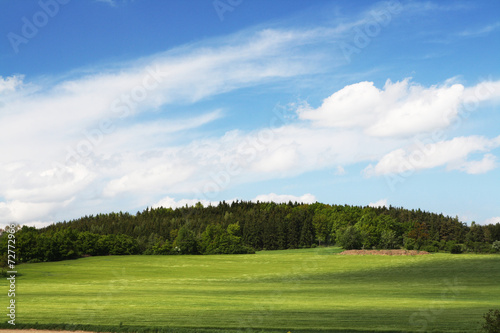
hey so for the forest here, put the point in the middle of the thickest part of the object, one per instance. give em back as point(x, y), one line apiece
point(243, 227)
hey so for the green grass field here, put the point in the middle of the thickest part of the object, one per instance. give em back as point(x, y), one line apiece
point(309, 290)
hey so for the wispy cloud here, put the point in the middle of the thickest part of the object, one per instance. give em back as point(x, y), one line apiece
point(114, 3)
point(480, 31)
point(70, 135)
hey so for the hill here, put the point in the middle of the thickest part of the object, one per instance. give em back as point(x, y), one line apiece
point(243, 227)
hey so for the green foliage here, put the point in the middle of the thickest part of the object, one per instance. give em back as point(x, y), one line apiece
point(496, 246)
point(242, 226)
point(307, 234)
point(454, 248)
point(321, 227)
point(216, 240)
point(185, 242)
point(349, 238)
point(388, 239)
point(478, 247)
point(161, 248)
point(430, 247)
point(4, 265)
point(492, 321)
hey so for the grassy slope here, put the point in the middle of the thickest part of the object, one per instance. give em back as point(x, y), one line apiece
point(286, 290)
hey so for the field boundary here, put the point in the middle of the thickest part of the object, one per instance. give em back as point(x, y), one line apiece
point(384, 252)
point(77, 328)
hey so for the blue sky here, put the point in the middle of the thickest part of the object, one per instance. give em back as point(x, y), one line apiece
point(120, 105)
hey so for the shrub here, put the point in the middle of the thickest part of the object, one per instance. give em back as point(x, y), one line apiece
point(478, 247)
point(456, 249)
point(349, 238)
point(492, 321)
point(186, 242)
point(430, 248)
point(409, 244)
point(496, 246)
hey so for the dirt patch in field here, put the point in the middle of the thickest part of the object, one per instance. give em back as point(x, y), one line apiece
point(385, 252)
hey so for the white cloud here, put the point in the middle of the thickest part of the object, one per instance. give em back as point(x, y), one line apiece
point(186, 75)
point(380, 203)
point(285, 198)
point(483, 91)
point(138, 159)
point(487, 163)
point(23, 212)
point(345, 108)
point(52, 184)
point(11, 83)
point(399, 109)
point(169, 202)
point(58, 146)
point(491, 220)
point(452, 153)
point(157, 176)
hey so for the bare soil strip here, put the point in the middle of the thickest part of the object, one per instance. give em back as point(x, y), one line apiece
point(385, 252)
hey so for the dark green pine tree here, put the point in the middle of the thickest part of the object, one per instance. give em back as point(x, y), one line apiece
point(307, 233)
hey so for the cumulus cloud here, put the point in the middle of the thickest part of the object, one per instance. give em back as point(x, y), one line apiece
point(22, 211)
point(487, 163)
point(399, 109)
point(492, 220)
point(450, 153)
point(380, 203)
point(169, 202)
point(285, 198)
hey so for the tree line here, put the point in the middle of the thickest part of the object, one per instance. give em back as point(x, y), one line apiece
point(244, 227)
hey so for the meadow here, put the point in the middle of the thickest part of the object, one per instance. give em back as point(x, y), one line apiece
point(309, 290)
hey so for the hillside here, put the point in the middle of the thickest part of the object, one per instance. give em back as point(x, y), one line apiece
point(243, 227)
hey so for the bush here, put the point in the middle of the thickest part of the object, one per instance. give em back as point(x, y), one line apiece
point(186, 242)
point(410, 244)
point(388, 239)
point(456, 249)
point(349, 238)
point(430, 248)
point(492, 321)
point(453, 247)
point(496, 246)
point(217, 240)
point(478, 247)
